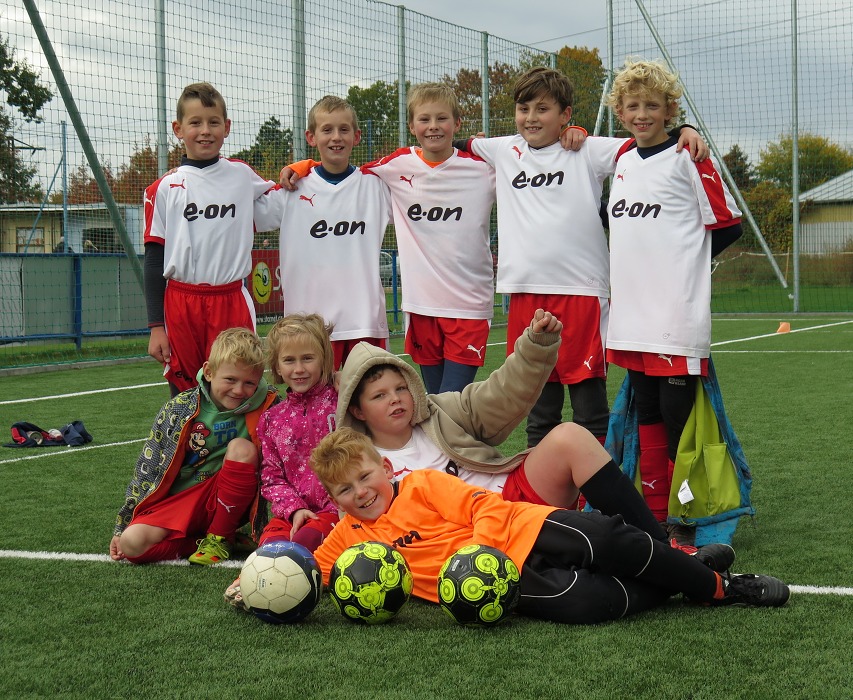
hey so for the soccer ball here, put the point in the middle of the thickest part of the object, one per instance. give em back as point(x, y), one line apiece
point(478, 586)
point(280, 582)
point(370, 582)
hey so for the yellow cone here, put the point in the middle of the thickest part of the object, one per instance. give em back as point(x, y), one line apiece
point(784, 327)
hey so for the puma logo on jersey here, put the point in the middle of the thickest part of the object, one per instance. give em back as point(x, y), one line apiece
point(224, 505)
point(712, 178)
point(619, 176)
point(403, 178)
point(651, 484)
point(479, 352)
point(310, 199)
point(668, 358)
point(402, 472)
point(148, 200)
point(178, 184)
point(517, 151)
point(588, 363)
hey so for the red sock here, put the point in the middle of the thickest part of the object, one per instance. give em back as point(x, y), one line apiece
point(236, 486)
point(720, 593)
point(654, 468)
point(165, 551)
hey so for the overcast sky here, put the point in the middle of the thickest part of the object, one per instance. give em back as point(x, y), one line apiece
point(547, 25)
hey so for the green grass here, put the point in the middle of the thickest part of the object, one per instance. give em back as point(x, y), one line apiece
point(92, 629)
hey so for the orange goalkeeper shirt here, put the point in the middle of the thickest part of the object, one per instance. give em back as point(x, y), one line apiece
point(432, 516)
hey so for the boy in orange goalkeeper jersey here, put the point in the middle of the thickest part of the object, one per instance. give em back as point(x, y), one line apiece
point(579, 568)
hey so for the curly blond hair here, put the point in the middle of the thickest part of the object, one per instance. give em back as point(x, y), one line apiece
point(641, 77)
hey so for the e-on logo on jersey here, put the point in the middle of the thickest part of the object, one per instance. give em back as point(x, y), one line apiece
point(521, 180)
point(417, 213)
point(635, 210)
point(211, 211)
point(343, 228)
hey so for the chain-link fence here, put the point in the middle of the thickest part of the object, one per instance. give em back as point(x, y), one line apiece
point(91, 88)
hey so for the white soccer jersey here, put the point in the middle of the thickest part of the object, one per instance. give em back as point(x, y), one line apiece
point(441, 216)
point(661, 208)
point(422, 453)
point(550, 233)
point(203, 218)
point(331, 236)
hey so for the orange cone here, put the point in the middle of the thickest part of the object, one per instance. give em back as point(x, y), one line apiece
point(784, 327)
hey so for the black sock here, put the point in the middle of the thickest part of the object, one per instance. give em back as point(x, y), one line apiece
point(611, 491)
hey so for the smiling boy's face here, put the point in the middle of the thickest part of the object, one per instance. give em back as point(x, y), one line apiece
point(366, 492)
point(334, 137)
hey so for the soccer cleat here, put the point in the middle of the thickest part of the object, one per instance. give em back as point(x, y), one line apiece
point(686, 548)
point(234, 597)
point(685, 535)
point(211, 550)
point(754, 590)
point(717, 556)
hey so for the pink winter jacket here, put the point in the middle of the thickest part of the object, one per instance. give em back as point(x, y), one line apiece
point(288, 432)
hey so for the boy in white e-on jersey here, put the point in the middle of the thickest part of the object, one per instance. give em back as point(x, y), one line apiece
point(442, 202)
point(332, 227)
point(553, 252)
point(668, 217)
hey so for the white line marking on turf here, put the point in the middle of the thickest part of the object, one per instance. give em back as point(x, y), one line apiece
point(60, 451)
point(83, 393)
point(237, 564)
point(70, 556)
point(773, 335)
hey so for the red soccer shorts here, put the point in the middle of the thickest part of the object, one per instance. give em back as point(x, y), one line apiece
point(660, 364)
point(584, 319)
point(195, 314)
point(517, 488)
point(342, 348)
point(430, 340)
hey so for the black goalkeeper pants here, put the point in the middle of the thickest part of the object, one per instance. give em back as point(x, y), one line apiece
point(586, 568)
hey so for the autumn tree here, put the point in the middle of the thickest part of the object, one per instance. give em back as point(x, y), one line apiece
point(127, 184)
point(584, 68)
point(741, 169)
point(271, 151)
point(820, 160)
point(467, 84)
point(377, 109)
point(27, 95)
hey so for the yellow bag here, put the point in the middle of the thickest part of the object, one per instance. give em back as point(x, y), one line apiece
point(704, 461)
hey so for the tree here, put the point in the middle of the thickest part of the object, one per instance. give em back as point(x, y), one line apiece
point(771, 208)
point(741, 169)
point(467, 84)
point(127, 185)
point(376, 107)
point(27, 95)
point(272, 150)
point(820, 160)
point(584, 68)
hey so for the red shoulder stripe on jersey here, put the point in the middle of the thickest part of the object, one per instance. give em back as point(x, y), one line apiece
point(472, 156)
point(404, 151)
point(148, 198)
point(624, 148)
point(712, 183)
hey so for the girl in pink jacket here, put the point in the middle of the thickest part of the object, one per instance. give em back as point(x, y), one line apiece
point(299, 354)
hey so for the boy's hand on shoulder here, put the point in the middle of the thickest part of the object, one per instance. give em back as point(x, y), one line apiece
point(690, 138)
point(545, 322)
point(479, 135)
point(158, 345)
point(572, 138)
point(288, 178)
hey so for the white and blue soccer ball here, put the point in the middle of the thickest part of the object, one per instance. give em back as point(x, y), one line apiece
point(280, 582)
